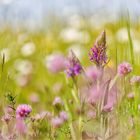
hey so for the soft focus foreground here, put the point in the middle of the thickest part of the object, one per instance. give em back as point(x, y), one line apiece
point(74, 81)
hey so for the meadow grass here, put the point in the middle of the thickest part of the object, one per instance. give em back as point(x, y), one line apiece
point(27, 77)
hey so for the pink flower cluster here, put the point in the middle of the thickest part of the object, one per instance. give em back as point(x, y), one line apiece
point(57, 101)
point(59, 120)
point(135, 80)
point(124, 69)
point(6, 118)
point(93, 73)
point(56, 63)
point(131, 95)
point(23, 110)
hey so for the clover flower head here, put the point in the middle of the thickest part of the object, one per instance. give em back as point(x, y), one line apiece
point(56, 122)
point(6, 118)
point(23, 110)
point(131, 95)
point(63, 115)
point(57, 101)
point(135, 80)
point(124, 69)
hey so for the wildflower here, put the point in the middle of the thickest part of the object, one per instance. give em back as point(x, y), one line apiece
point(57, 87)
point(22, 80)
point(6, 118)
point(94, 95)
point(24, 67)
point(92, 73)
point(64, 116)
point(55, 63)
point(122, 35)
point(34, 98)
point(97, 53)
point(131, 95)
point(57, 101)
point(91, 114)
point(23, 110)
point(6, 53)
point(43, 115)
point(108, 107)
point(74, 67)
point(9, 110)
point(28, 49)
point(135, 80)
point(56, 122)
point(124, 69)
point(47, 114)
point(74, 35)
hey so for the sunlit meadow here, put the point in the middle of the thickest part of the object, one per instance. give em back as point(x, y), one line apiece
point(77, 80)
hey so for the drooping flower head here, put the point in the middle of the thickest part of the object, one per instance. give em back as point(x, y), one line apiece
point(97, 53)
point(23, 110)
point(73, 66)
point(124, 69)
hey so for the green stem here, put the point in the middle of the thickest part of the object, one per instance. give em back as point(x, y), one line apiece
point(70, 123)
point(113, 81)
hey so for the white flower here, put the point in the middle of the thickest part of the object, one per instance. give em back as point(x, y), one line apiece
point(23, 66)
point(28, 49)
point(122, 34)
point(74, 35)
point(70, 35)
point(6, 53)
